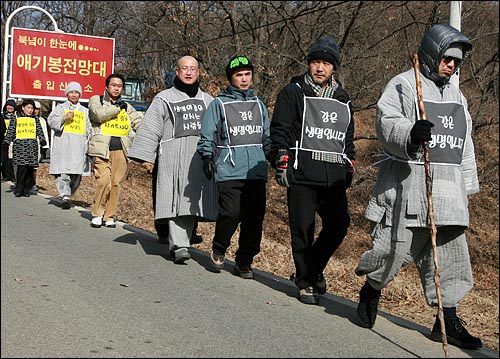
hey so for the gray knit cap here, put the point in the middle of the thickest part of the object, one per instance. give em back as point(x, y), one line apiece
point(73, 86)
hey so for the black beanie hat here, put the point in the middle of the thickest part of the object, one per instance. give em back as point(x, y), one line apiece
point(236, 63)
point(11, 102)
point(325, 49)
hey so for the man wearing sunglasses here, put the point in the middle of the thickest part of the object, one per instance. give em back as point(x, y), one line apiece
point(398, 209)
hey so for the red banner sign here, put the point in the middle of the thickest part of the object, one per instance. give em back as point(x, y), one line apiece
point(44, 62)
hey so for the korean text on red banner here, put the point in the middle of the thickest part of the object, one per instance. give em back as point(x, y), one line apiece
point(44, 62)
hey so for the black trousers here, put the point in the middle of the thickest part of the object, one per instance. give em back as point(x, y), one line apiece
point(241, 203)
point(7, 165)
point(309, 255)
point(24, 179)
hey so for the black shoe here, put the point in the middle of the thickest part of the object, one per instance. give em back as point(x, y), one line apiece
point(26, 194)
point(196, 239)
point(65, 204)
point(244, 272)
point(456, 333)
point(17, 194)
point(308, 296)
point(368, 305)
point(321, 284)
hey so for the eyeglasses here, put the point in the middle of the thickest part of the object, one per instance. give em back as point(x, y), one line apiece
point(450, 58)
point(186, 68)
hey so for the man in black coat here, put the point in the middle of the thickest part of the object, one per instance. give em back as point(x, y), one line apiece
point(312, 132)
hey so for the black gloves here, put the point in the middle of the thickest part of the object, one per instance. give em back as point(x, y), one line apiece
point(43, 143)
point(281, 168)
point(349, 171)
point(123, 106)
point(209, 166)
point(421, 132)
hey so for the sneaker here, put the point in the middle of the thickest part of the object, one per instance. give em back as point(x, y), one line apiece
point(244, 272)
point(368, 305)
point(308, 295)
point(34, 188)
point(181, 255)
point(321, 284)
point(96, 222)
point(217, 261)
point(456, 333)
point(110, 223)
point(65, 204)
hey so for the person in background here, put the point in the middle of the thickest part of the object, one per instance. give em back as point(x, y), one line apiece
point(42, 150)
point(234, 143)
point(70, 124)
point(168, 135)
point(9, 111)
point(398, 208)
point(312, 134)
point(114, 123)
point(43, 123)
point(25, 133)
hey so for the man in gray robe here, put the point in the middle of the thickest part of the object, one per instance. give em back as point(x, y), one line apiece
point(169, 133)
point(398, 208)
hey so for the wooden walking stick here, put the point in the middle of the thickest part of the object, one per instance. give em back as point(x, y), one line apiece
point(430, 208)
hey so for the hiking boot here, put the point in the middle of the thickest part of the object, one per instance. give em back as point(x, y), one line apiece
point(96, 222)
point(110, 223)
point(181, 255)
point(368, 305)
point(217, 261)
point(321, 284)
point(308, 295)
point(65, 204)
point(244, 272)
point(456, 333)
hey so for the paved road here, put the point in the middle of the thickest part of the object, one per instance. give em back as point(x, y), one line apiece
point(69, 290)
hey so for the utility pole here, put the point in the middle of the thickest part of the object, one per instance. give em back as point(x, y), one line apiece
point(455, 20)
